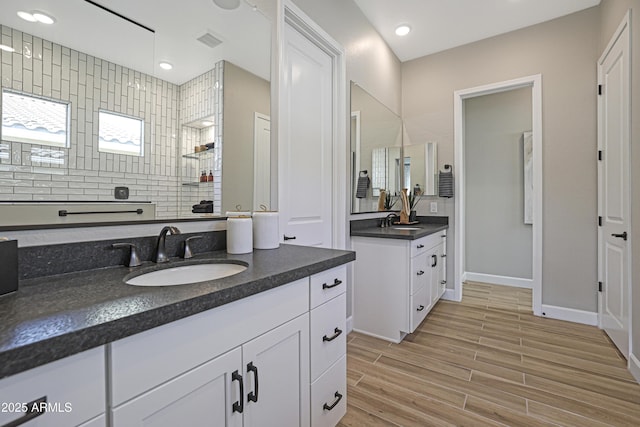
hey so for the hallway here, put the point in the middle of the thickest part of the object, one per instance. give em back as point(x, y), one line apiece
point(489, 361)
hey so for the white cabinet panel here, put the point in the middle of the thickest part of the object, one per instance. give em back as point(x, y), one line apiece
point(204, 396)
point(328, 395)
point(420, 272)
point(74, 389)
point(328, 334)
point(327, 285)
point(420, 306)
point(281, 386)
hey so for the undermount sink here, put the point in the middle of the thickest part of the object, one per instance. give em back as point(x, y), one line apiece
point(407, 228)
point(187, 274)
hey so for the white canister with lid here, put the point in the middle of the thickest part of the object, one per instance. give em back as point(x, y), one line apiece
point(265, 229)
point(239, 235)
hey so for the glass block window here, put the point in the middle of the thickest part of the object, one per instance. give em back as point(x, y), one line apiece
point(119, 134)
point(34, 120)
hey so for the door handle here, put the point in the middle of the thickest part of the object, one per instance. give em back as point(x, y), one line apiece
point(289, 238)
point(33, 411)
point(435, 260)
point(337, 333)
point(336, 282)
point(238, 406)
point(622, 236)
point(253, 396)
point(328, 407)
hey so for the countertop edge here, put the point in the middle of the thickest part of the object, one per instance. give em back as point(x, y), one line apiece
point(386, 233)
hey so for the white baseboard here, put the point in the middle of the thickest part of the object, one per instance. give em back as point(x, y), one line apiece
point(634, 366)
point(449, 295)
point(464, 276)
point(498, 280)
point(349, 324)
point(570, 314)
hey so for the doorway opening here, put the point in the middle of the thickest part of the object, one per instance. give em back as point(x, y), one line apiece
point(534, 84)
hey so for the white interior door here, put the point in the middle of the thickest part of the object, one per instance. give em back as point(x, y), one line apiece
point(613, 175)
point(305, 143)
point(262, 161)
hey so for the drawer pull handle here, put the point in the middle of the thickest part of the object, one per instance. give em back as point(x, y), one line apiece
point(253, 396)
point(34, 410)
point(435, 260)
point(420, 246)
point(337, 331)
point(443, 282)
point(238, 406)
point(335, 283)
point(328, 407)
point(420, 273)
point(443, 255)
point(289, 238)
point(420, 308)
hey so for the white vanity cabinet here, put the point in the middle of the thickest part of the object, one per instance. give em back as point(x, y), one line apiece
point(397, 282)
point(71, 390)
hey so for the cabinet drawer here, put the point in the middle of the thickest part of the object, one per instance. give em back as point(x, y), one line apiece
point(420, 306)
point(74, 388)
point(423, 244)
point(328, 284)
point(420, 272)
point(328, 321)
point(329, 396)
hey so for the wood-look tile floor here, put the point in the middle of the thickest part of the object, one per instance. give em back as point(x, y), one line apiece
point(489, 361)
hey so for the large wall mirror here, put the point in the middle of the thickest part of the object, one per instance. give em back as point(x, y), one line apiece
point(383, 158)
point(160, 102)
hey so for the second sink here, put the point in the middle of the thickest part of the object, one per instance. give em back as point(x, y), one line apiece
point(187, 274)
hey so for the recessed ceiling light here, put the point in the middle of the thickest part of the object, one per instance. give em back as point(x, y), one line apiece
point(207, 123)
point(165, 65)
point(27, 16)
point(43, 18)
point(6, 48)
point(403, 30)
point(227, 4)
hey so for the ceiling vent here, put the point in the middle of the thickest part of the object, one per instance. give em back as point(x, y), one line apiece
point(209, 40)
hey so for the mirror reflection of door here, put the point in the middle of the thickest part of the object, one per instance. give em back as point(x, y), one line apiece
point(262, 162)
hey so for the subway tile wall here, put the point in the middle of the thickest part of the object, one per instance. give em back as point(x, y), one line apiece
point(43, 68)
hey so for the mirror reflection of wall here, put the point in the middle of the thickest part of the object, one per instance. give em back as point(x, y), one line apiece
point(421, 168)
point(376, 141)
point(68, 62)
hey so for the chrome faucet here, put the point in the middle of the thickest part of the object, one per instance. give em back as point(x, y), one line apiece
point(388, 221)
point(161, 255)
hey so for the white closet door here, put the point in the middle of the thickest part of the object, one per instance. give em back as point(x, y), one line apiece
point(305, 145)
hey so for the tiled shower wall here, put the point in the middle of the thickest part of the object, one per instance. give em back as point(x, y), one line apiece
point(88, 83)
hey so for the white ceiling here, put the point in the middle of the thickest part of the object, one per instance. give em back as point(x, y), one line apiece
point(245, 33)
point(438, 25)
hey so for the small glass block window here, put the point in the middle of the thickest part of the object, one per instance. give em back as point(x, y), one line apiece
point(119, 134)
point(34, 120)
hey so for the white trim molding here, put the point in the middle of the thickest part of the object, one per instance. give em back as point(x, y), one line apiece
point(449, 295)
point(499, 280)
point(570, 314)
point(349, 324)
point(634, 366)
point(535, 83)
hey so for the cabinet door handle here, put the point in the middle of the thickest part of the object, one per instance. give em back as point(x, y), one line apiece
point(337, 331)
point(34, 410)
point(420, 246)
point(253, 396)
point(288, 238)
point(328, 407)
point(420, 308)
point(335, 283)
point(435, 260)
point(238, 406)
point(420, 273)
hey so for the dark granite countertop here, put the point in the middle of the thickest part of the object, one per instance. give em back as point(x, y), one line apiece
point(427, 226)
point(53, 317)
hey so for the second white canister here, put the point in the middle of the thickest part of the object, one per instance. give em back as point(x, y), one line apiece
point(239, 235)
point(265, 230)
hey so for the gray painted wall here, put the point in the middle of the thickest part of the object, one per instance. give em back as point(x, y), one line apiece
point(498, 242)
point(612, 12)
point(564, 51)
